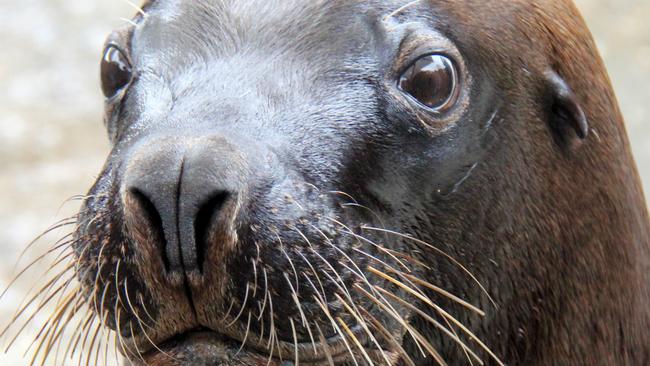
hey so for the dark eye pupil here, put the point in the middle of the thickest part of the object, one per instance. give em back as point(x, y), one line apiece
point(431, 80)
point(115, 71)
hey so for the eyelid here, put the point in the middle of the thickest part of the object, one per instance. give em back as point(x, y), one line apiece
point(126, 54)
point(121, 39)
point(413, 54)
point(418, 42)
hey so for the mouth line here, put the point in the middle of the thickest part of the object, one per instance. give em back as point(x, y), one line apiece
point(316, 353)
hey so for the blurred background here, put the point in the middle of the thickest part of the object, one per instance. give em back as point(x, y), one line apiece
point(52, 142)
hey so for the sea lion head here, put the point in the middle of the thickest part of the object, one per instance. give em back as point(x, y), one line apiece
point(361, 182)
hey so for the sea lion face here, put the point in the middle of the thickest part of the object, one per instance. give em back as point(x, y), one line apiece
point(296, 180)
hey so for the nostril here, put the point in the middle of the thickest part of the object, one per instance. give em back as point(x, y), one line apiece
point(206, 216)
point(150, 217)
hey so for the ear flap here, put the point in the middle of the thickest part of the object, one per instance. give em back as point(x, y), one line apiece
point(566, 117)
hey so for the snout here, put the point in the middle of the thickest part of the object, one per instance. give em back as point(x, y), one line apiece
point(187, 192)
point(206, 234)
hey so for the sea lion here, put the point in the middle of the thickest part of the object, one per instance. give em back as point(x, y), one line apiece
point(365, 182)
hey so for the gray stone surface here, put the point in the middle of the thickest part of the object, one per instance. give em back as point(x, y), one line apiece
point(52, 141)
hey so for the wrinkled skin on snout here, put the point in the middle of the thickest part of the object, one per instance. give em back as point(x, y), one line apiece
point(273, 194)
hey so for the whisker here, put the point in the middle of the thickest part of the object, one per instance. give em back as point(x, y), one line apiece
point(315, 252)
point(359, 319)
point(407, 258)
point(336, 327)
point(442, 292)
point(260, 339)
point(30, 265)
point(84, 324)
point(372, 212)
point(107, 342)
point(136, 7)
point(438, 309)
point(118, 346)
point(96, 286)
point(295, 273)
point(403, 286)
point(227, 314)
point(92, 344)
point(100, 262)
point(97, 351)
point(432, 351)
point(389, 267)
point(322, 288)
point(133, 310)
point(343, 289)
point(337, 249)
point(271, 329)
point(117, 283)
point(54, 326)
point(470, 334)
point(103, 301)
point(75, 332)
point(439, 251)
point(243, 307)
point(379, 247)
point(386, 302)
point(254, 277)
point(341, 193)
point(295, 342)
point(27, 301)
point(85, 338)
point(131, 22)
point(417, 336)
point(127, 352)
point(135, 345)
point(50, 328)
point(266, 293)
point(432, 321)
point(303, 318)
point(272, 334)
point(141, 324)
point(243, 343)
point(31, 317)
point(338, 282)
point(387, 308)
point(75, 310)
point(118, 327)
point(355, 340)
point(389, 337)
point(146, 311)
point(326, 346)
point(401, 9)
point(60, 224)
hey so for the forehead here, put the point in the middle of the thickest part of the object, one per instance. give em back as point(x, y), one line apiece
point(224, 27)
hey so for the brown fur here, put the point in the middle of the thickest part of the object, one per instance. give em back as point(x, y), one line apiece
point(572, 226)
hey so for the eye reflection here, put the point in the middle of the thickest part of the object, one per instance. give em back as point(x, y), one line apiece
point(432, 80)
point(115, 71)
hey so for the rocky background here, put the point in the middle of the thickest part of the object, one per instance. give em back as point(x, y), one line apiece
point(52, 141)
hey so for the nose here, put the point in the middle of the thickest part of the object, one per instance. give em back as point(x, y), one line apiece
point(184, 192)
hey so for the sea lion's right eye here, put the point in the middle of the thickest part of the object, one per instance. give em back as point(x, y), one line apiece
point(116, 71)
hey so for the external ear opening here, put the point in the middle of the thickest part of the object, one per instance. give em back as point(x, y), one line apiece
point(566, 117)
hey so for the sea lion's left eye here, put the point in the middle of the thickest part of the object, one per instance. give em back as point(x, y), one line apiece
point(432, 80)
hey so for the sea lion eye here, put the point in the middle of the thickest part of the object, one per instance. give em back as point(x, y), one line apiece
point(115, 71)
point(433, 81)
